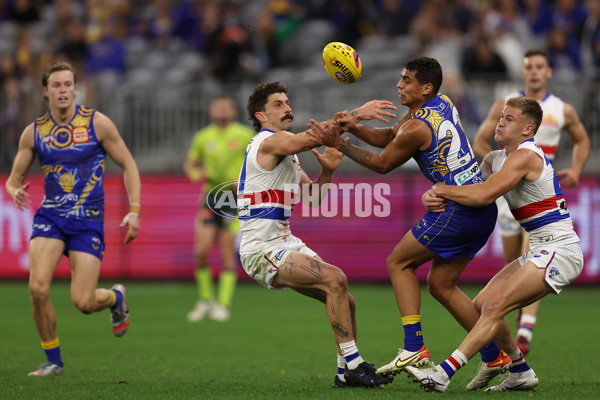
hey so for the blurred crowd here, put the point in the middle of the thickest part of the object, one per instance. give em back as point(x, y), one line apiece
point(235, 40)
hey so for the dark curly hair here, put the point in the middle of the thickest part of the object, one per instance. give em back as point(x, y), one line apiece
point(428, 70)
point(258, 100)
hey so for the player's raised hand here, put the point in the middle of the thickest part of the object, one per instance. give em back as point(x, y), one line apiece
point(374, 109)
point(132, 220)
point(21, 197)
point(330, 159)
point(326, 133)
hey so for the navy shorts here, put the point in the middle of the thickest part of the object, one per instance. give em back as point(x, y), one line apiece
point(86, 235)
point(458, 231)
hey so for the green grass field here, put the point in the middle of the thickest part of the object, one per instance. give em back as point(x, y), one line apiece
point(276, 346)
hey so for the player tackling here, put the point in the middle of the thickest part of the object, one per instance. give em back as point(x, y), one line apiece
point(522, 173)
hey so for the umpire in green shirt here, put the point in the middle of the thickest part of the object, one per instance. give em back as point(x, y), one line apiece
point(216, 156)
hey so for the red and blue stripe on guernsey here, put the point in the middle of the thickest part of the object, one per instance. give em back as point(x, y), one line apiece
point(268, 204)
point(541, 213)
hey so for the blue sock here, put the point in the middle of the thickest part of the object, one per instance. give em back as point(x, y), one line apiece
point(490, 352)
point(413, 336)
point(118, 299)
point(52, 350)
point(53, 356)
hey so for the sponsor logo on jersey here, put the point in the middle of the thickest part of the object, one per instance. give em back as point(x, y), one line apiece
point(466, 175)
point(80, 134)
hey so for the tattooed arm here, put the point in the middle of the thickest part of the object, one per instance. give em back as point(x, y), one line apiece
point(413, 135)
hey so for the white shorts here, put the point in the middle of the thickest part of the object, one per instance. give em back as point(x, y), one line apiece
point(263, 266)
point(562, 263)
point(507, 224)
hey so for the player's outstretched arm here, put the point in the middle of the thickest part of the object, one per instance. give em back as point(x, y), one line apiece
point(23, 160)
point(396, 153)
point(116, 148)
point(330, 160)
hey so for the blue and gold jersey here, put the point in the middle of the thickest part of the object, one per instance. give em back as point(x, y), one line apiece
point(73, 163)
point(449, 158)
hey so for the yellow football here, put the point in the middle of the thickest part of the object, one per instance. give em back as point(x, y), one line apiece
point(342, 63)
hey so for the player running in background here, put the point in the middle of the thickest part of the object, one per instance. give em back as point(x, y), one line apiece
point(269, 183)
point(525, 177)
point(557, 116)
point(71, 142)
point(216, 155)
point(432, 134)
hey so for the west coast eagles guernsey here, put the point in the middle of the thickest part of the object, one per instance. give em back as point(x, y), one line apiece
point(73, 163)
point(449, 158)
point(460, 230)
point(539, 206)
point(548, 134)
point(266, 199)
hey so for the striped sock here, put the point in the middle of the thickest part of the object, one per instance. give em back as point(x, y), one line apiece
point(341, 364)
point(117, 298)
point(52, 350)
point(518, 362)
point(413, 335)
point(453, 363)
point(526, 324)
point(350, 353)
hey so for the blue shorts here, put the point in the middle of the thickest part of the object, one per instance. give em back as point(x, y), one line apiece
point(86, 235)
point(458, 231)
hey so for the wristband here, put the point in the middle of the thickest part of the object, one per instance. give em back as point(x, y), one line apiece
point(134, 208)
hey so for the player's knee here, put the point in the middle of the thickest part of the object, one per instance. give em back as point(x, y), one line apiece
point(492, 307)
point(478, 302)
point(84, 306)
point(438, 291)
point(338, 284)
point(38, 291)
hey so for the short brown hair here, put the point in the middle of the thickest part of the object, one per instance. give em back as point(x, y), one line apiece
point(59, 66)
point(258, 100)
point(530, 108)
point(537, 52)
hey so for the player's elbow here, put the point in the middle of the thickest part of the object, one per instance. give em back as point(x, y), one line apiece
point(484, 200)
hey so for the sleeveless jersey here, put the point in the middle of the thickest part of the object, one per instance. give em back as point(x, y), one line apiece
point(266, 199)
point(548, 134)
point(73, 163)
point(539, 206)
point(449, 158)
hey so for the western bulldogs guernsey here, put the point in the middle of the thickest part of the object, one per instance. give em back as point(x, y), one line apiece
point(548, 134)
point(265, 199)
point(460, 230)
point(539, 206)
point(73, 162)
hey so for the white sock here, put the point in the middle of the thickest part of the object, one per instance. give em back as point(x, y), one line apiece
point(351, 355)
point(526, 324)
point(341, 364)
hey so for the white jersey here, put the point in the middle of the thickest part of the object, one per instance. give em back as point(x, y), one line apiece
point(539, 206)
point(548, 134)
point(266, 199)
